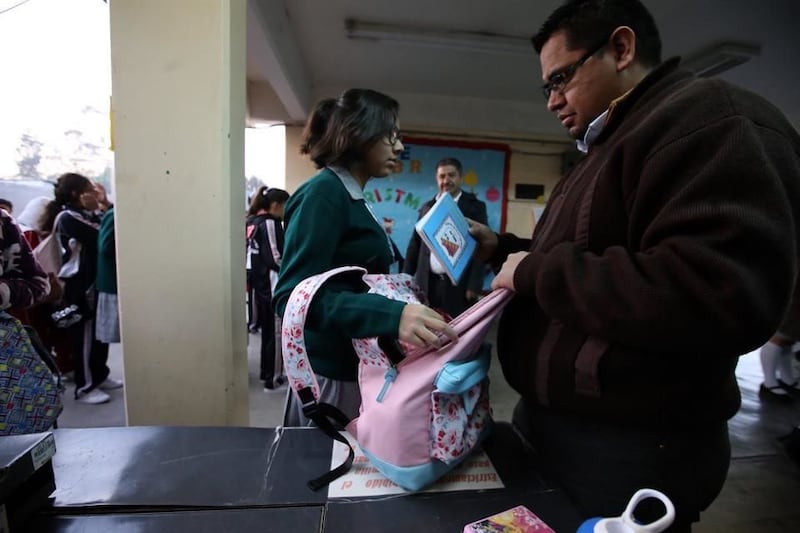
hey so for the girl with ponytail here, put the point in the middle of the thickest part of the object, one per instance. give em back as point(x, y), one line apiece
point(264, 232)
point(351, 139)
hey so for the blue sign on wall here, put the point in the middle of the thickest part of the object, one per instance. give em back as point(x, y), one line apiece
point(396, 200)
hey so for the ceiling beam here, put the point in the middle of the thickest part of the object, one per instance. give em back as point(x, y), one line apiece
point(274, 55)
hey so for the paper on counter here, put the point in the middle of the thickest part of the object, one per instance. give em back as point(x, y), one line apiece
point(476, 473)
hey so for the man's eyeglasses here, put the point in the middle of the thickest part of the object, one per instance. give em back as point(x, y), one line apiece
point(558, 80)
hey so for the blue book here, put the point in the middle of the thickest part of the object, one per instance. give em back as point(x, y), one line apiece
point(445, 231)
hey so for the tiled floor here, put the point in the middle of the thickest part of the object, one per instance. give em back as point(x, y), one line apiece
point(762, 493)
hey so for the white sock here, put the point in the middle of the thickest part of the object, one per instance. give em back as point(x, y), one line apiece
point(785, 368)
point(770, 354)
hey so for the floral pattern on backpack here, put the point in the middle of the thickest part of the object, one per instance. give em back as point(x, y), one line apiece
point(458, 421)
point(295, 359)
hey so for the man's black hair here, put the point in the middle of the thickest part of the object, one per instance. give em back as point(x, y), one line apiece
point(587, 22)
point(451, 161)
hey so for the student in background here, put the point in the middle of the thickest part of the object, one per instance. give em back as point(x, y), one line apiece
point(777, 355)
point(351, 139)
point(264, 232)
point(7, 206)
point(83, 203)
point(23, 283)
point(107, 323)
point(31, 221)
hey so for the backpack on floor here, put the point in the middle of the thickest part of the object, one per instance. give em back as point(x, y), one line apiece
point(29, 395)
point(422, 412)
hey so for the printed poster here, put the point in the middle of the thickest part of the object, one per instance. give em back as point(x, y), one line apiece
point(396, 199)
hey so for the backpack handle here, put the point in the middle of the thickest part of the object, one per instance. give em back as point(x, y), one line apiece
point(301, 375)
point(295, 356)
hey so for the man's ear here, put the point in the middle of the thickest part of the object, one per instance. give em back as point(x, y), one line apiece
point(623, 44)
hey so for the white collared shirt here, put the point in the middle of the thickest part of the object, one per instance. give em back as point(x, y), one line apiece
point(349, 182)
point(592, 132)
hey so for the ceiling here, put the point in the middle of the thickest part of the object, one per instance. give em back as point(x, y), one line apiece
point(298, 52)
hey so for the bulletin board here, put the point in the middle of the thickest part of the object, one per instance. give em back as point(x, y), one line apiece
point(396, 199)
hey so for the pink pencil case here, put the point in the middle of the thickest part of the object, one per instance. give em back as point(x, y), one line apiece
point(518, 519)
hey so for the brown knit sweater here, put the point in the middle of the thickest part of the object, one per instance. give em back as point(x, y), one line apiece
point(667, 252)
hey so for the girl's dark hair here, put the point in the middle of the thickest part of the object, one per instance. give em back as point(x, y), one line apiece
point(339, 131)
point(265, 197)
point(587, 23)
point(68, 190)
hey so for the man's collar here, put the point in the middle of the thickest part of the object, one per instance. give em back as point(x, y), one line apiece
point(349, 182)
point(455, 198)
point(596, 126)
point(594, 129)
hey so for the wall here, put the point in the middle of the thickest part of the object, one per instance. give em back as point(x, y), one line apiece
point(298, 166)
point(533, 161)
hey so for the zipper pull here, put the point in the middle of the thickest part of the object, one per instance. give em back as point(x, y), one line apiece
point(389, 377)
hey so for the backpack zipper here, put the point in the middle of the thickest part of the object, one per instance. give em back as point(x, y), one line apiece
point(389, 377)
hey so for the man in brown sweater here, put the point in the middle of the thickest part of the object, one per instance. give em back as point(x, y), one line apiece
point(667, 252)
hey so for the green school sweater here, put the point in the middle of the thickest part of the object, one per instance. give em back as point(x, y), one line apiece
point(106, 255)
point(329, 227)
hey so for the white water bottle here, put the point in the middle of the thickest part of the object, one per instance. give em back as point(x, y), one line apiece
point(627, 523)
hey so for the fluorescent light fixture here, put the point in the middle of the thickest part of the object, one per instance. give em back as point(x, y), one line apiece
point(720, 57)
point(471, 41)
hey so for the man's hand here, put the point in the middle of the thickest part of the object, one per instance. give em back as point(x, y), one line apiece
point(505, 278)
point(419, 325)
point(487, 239)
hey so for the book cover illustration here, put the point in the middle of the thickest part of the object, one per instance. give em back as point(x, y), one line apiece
point(518, 519)
point(446, 234)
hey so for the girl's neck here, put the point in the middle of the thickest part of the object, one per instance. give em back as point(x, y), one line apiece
point(360, 174)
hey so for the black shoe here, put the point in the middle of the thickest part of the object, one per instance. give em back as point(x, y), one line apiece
point(793, 389)
point(776, 393)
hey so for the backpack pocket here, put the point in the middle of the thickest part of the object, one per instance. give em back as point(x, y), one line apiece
point(460, 407)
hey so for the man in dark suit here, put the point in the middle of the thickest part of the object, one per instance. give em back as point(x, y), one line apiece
point(429, 273)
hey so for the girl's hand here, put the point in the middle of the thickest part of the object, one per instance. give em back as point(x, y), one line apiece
point(420, 324)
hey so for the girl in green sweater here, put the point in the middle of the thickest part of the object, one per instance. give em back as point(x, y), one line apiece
point(328, 224)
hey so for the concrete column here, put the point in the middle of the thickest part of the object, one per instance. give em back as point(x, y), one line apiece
point(178, 73)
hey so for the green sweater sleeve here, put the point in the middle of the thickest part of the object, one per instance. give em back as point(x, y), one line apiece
point(317, 222)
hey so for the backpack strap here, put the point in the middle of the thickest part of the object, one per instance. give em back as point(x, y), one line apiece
point(301, 375)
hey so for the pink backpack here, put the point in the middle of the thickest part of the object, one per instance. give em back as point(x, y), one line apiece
point(422, 413)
